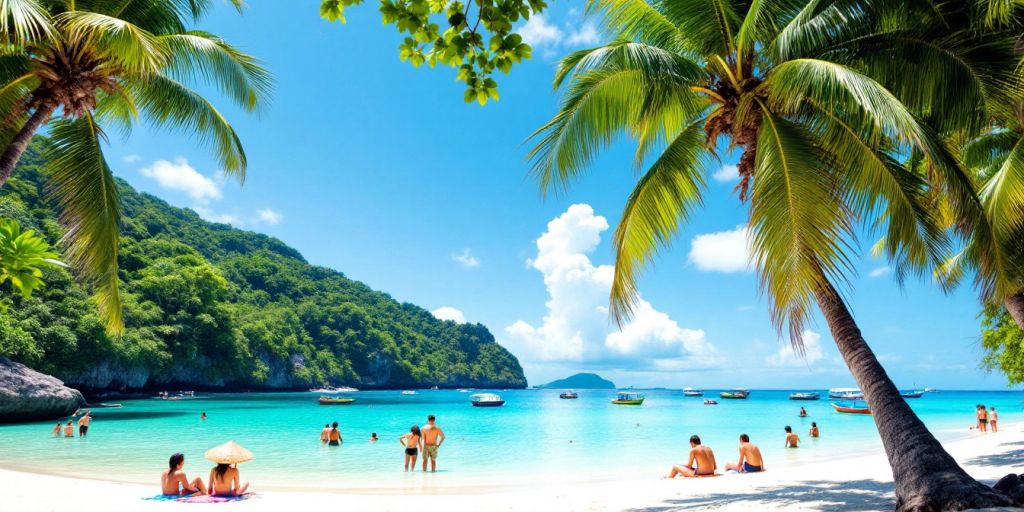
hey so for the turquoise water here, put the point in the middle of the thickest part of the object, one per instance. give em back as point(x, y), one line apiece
point(535, 437)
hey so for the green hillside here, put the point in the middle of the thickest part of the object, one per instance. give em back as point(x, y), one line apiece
point(209, 306)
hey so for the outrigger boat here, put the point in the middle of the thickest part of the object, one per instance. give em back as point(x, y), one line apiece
point(486, 400)
point(735, 394)
point(629, 399)
point(850, 409)
point(569, 395)
point(692, 392)
point(804, 396)
point(336, 400)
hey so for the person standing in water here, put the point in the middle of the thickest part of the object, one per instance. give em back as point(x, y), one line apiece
point(334, 436)
point(373, 437)
point(325, 434)
point(814, 430)
point(993, 417)
point(792, 440)
point(56, 430)
point(433, 436)
point(69, 431)
point(173, 482)
point(202, 417)
point(803, 412)
point(412, 441)
point(83, 424)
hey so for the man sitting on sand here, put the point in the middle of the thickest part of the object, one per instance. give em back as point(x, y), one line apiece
point(173, 482)
point(750, 457)
point(792, 440)
point(701, 462)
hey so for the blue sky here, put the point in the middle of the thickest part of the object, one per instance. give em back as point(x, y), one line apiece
point(381, 171)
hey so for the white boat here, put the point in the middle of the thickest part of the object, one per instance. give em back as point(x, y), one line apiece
point(930, 390)
point(845, 394)
point(486, 400)
point(692, 392)
point(463, 390)
point(329, 389)
point(408, 392)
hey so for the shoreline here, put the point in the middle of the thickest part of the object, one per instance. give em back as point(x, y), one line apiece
point(860, 482)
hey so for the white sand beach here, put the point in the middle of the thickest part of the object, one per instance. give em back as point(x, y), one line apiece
point(858, 483)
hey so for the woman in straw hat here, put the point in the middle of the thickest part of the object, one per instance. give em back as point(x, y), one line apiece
point(224, 478)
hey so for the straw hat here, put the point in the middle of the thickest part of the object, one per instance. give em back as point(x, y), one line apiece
point(228, 453)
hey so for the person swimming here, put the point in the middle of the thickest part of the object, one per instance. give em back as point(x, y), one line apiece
point(334, 436)
point(803, 412)
point(325, 434)
point(225, 481)
point(202, 417)
point(792, 440)
point(814, 430)
point(701, 461)
point(750, 460)
point(173, 482)
point(411, 441)
point(373, 437)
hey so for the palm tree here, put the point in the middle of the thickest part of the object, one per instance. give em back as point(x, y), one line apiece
point(818, 98)
point(80, 66)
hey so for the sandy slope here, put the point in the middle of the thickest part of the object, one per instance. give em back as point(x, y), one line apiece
point(863, 483)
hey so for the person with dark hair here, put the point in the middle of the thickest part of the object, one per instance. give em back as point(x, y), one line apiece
point(701, 461)
point(750, 457)
point(993, 418)
point(225, 481)
point(433, 436)
point(814, 430)
point(792, 440)
point(83, 423)
point(803, 412)
point(334, 436)
point(982, 418)
point(202, 417)
point(373, 437)
point(411, 441)
point(173, 481)
point(325, 434)
point(69, 431)
point(56, 430)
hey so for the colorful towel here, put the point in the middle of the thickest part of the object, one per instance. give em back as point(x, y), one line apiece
point(200, 498)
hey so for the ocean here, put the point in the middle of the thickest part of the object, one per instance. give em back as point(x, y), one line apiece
point(535, 437)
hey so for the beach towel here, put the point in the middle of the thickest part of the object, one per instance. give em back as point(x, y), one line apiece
point(201, 498)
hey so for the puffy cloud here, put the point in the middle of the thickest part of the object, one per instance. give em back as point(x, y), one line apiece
point(182, 177)
point(466, 259)
point(538, 32)
point(131, 159)
point(787, 356)
point(587, 35)
point(879, 272)
point(449, 313)
point(576, 327)
point(541, 34)
point(724, 251)
point(269, 216)
point(726, 173)
point(223, 218)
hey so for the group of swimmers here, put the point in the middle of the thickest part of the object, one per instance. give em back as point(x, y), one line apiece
point(69, 429)
point(224, 480)
point(987, 418)
point(427, 439)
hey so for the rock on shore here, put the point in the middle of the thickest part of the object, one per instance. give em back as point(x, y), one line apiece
point(27, 395)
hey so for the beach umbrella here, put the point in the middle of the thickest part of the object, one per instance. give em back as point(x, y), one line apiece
point(228, 453)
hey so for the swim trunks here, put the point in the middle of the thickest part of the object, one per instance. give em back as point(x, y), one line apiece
point(430, 451)
point(82, 430)
point(750, 468)
point(333, 443)
point(411, 451)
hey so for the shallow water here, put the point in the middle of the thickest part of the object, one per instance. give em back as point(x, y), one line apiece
point(535, 437)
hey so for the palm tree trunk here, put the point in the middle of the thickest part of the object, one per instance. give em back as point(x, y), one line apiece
point(927, 478)
point(1015, 306)
point(17, 146)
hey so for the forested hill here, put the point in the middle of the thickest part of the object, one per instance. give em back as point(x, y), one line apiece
point(208, 306)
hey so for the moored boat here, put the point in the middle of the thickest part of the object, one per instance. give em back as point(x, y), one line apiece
point(408, 392)
point(708, 401)
point(735, 394)
point(569, 395)
point(335, 400)
point(851, 409)
point(911, 394)
point(629, 399)
point(804, 396)
point(486, 400)
point(845, 394)
point(692, 392)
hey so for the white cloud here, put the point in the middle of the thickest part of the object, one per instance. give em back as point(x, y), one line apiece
point(466, 259)
point(576, 327)
point(538, 32)
point(726, 173)
point(223, 218)
point(787, 356)
point(269, 216)
point(181, 176)
point(587, 35)
point(132, 158)
point(879, 272)
point(724, 251)
point(449, 313)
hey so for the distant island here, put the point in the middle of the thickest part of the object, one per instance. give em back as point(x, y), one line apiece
point(581, 381)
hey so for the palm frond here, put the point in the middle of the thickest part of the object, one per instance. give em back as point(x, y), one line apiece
point(83, 186)
point(1003, 193)
point(198, 54)
point(23, 21)
point(655, 63)
point(637, 20)
point(710, 26)
point(123, 44)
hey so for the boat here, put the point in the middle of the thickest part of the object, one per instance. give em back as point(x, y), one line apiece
point(804, 396)
point(331, 389)
point(569, 395)
point(336, 400)
point(735, 394)
point(851, 409)
point(486, 400)
point(845, 394)
point(692, 392)
point(434, 388)
point(708, 401)
point(408, 392)
point(930, 390)
point(463, 390)
point(912, 394)
point(629, 399)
